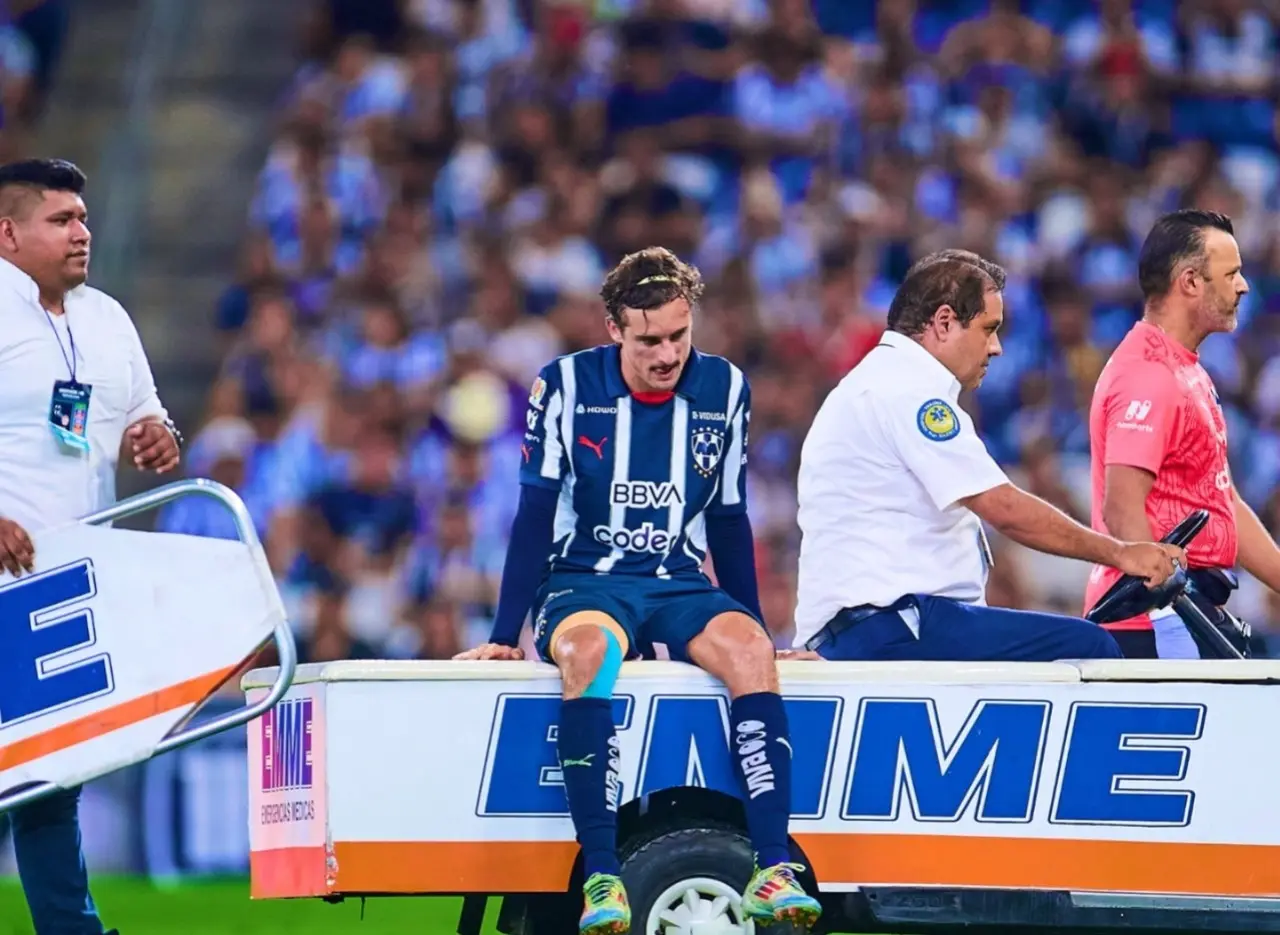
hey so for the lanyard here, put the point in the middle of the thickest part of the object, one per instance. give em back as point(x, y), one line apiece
point(71, 361)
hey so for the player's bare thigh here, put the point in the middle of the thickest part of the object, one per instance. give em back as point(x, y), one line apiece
point(578, 647)
point(736, 649)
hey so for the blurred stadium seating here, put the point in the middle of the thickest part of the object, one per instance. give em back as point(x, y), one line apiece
point(32, 33)
point(451, 178)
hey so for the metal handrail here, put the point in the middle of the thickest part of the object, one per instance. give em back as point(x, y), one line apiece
point(286, 648)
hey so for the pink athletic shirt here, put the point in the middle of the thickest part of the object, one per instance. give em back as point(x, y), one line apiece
point(1155, 408)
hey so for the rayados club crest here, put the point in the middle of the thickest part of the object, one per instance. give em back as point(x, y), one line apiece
point(707, 447)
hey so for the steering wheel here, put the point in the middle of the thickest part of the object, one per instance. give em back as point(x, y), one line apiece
point(1130, 596)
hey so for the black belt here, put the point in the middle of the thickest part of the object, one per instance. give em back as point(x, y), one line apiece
point(849, 617)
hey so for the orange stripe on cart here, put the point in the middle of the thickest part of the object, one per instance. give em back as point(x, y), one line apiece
point(459, 867)
point(190, 692)
point(867, 859)
point(1047, 863)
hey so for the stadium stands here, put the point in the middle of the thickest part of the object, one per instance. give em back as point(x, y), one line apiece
point(32, 33)
point(452, 177)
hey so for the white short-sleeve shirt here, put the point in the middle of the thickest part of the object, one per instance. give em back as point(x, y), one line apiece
point(888, 456)
point(42, 482)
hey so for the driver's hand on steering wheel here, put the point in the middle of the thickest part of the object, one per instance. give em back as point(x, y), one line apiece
point(1154, 562)
point(492, 651)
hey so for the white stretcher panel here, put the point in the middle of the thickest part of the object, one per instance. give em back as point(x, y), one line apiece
point(116, 638)
point(442, 777)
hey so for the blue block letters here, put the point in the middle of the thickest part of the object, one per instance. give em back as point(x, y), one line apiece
point(522, 774)
point(1117, 765)
point(900, 752)
point(1110, 749)
point(43, 619)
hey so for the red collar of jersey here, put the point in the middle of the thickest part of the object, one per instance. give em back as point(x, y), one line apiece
point(653, 397)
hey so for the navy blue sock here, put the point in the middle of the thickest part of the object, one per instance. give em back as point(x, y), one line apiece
point(761, 754)
point(588, 748)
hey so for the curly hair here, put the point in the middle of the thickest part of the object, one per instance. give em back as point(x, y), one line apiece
point(648, 279)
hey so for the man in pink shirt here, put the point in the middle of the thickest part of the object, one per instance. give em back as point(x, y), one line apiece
point(1157, 435)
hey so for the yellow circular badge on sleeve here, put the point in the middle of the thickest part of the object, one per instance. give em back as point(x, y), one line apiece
point(938, 421)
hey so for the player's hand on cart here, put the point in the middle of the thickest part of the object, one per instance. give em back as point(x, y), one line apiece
point(17, 554)
point(492, 651)
point(1154, 562)
point(791, 654)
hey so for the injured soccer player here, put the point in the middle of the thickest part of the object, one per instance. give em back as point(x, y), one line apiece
point(634, 469)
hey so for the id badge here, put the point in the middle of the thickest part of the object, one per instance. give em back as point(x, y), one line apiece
point(69, 414)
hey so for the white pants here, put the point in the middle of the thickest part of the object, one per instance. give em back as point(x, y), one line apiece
point(1173, 639)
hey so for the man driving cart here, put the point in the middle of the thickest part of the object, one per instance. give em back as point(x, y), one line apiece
point(894, 486)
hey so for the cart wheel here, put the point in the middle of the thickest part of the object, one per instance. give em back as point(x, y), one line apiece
point(691, 881)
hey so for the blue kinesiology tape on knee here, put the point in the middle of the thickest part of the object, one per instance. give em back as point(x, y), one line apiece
point(607, 676)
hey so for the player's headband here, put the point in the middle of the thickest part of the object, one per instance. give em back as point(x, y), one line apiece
point(649, 279)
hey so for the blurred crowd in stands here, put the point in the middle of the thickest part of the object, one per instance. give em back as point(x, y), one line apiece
point(452, 178)
point(32, 35)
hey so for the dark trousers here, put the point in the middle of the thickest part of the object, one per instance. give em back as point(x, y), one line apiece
point(46, 839)
point(951, 630)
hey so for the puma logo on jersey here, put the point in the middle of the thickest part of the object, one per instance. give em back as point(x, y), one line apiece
point(597, 447)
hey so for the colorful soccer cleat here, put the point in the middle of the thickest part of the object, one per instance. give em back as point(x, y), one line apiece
point(607, 911)
point(774, 895)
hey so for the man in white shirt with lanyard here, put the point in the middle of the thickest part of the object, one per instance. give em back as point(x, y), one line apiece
point(75, 387)
point(895, 484)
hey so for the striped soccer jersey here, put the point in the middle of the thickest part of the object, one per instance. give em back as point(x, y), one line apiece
point(636, 480)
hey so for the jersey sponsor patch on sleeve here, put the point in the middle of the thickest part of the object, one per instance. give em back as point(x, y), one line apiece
point(1135, 416)
point(536, 393)
point(937, 421)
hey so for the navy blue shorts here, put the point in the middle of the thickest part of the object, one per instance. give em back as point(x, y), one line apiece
point(936, 628)
point(671, 611)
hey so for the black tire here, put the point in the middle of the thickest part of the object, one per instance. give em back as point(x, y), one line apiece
point(655, 865)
